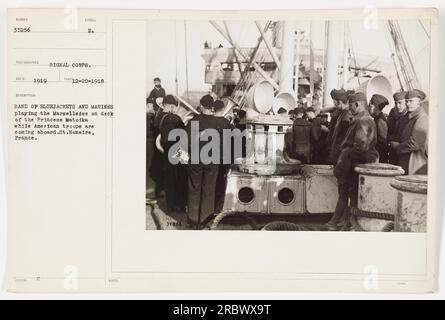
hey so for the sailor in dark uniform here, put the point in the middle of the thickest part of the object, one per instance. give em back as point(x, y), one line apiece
point(357, 148)
point(344, 118)
point(412, 150)
point(396, 123)
point(301, 137)
point(175, 176)
point(316, 128)
point(202, 176)
point(376, 105)
point(155, 93)
point(223, 168)
point(323, 149)
point(157, 168)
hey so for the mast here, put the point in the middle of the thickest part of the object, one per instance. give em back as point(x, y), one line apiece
point(311, 62)
point(331, 71)
point(345, 59)
point(298, 37)
point(186, 60)
point(176, 62)
point(287, 57)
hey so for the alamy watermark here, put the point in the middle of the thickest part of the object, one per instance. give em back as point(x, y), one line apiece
point(211, 146)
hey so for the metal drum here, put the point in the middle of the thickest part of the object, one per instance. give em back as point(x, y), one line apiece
point(411, 213)
point(376, 198)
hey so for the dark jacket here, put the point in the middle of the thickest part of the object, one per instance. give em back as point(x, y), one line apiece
point(157, 163)
point(357, 148)
point(154, 94)
point(195, 139)
point(339, 133)
point(382, 137)
point(395, 124)
point(301, 140)
point(315, 131)
point(226, 143)
point(413, 137)
point(332, 123)
point(362, 133)
point(317, 143)
point(169, 122)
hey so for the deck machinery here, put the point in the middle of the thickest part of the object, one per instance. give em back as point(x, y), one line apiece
point(267, 180)
point(270, 183)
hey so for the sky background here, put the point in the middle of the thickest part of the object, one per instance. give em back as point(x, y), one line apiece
point(166, 50)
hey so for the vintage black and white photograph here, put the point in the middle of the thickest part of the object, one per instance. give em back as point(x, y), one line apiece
point(287, 125)
point(143, 145)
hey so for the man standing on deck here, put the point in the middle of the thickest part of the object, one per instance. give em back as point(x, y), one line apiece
point(156, 92)
point(301, 137)
point(412, 149)
point(344, 118)
point(334, 115)
point(396, 123)
point(202, 175)
point(376, 105)
point(358, 147)
point(223, 168)
point(174, 175)
point(316, 130)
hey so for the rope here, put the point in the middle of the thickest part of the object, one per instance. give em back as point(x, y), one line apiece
point(367, 214)
point(388, 227)
point(222, 215)
point(282, 226)
point(370, 214)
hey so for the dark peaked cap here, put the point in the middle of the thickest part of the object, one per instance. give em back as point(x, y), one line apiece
point(379, 101)
point(169, 99)
point(339, 94)
point(299, 110)
point(358, 96)
point(399, 96)
point(415, 94)
point(207, 101)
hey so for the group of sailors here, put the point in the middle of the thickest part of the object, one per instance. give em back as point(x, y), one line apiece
point(358, 132)
point(197, 188)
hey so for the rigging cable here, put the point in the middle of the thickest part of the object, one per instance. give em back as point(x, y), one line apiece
point(323, 80)
point(424, 29)
point(186, 61)
point(353, 54)
point(403, 68)
point(176, 62)
point(393, 57)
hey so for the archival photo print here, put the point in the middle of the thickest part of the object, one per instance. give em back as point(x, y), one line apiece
point(287, 125)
